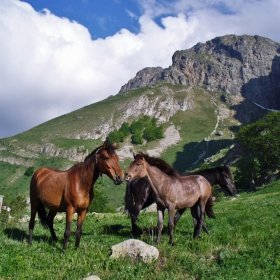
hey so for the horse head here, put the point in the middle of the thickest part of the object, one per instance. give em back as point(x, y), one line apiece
point(137, 168)
point(226, 181)
point(108, 162)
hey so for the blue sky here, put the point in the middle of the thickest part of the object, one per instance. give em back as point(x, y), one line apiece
point(102, 17)
point(57, 56)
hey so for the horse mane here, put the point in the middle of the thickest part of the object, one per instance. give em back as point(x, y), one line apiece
point(161, 164)
point(109, 148)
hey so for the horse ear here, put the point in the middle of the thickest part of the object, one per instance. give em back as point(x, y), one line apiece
point(134, 155)
point(114, 145)
point(105, 144)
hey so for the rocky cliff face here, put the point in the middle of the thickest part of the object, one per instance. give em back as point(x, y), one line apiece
point(239, 65)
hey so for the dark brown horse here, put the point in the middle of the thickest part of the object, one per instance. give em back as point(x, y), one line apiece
point(139, 193)
point(173, 191)
point(71, 191)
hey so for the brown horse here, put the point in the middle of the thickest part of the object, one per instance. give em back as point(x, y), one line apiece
point(139, 193)
point(172, 191)
point(71, 191)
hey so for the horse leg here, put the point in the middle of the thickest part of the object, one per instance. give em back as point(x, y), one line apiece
point(50, 219)
point(67, 233)
point(80, 221)
point(197, 219)
point(134, 215)
point(198, 214)
point(160, 211)
point(178, 215)
point(171, 211)
point(34, 207)
point(203, 225)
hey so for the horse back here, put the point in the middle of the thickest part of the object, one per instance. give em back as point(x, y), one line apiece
point(48, 185)
point(193, 188)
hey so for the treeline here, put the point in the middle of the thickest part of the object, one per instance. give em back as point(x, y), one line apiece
point(143, 129)
point(260, 141)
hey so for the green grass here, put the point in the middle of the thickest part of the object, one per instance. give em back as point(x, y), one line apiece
point(243, 244)
point(66, 133)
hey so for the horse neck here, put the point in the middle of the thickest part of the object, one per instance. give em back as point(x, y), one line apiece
point(156, 178)
point(210, 176)
point(89, 172)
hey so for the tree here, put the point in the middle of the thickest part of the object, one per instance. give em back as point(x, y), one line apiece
point(153, 132)
point(116, 136)
point(137, 137)
point(125, 129)
point(261, 141)
point(136, 125)
point(149, 133)
point(159, 132)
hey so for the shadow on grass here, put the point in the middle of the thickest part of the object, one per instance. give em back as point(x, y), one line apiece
point(22, 236)
point(116, 229)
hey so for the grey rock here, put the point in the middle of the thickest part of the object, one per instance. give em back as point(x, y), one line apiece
point(93, 277)
point(135, 249)
point(240, 65)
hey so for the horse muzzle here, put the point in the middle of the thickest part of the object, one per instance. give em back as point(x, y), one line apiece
point(119, 179)
point(127, 177)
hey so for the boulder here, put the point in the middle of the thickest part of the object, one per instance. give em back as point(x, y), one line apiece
point(135, 249)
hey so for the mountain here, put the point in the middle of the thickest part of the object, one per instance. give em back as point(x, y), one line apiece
point(201, 100)
point(241, 65)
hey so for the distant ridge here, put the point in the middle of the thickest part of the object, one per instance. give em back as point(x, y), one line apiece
point(240, 65)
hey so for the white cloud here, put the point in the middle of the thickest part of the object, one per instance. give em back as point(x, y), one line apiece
point(51, 66)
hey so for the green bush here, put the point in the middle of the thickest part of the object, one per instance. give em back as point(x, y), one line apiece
point(18, 207)
point(260, 140)
point(136, 126)
point(153, 132)
point(137, 138)
point(125, 129)
point(115, 136)
point(29, 171)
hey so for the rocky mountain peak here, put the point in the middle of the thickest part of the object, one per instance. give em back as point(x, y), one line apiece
point(241, 65)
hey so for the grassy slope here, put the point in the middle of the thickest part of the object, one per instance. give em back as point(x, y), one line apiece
point(243, 244)
point(194, 125)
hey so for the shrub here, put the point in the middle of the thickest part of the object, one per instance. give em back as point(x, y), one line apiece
point(137, 138)
point(115, 136)
point(18, 207)
point(29, 171)
point(136, 126)
point(125, 129)
point(261, 143)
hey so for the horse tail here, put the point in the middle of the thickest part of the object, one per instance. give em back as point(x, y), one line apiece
point(128, 199)
point(209, 207)
point(42, 213)
point(34, 199)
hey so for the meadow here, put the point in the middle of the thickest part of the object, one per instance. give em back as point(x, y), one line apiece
point(244, 243)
